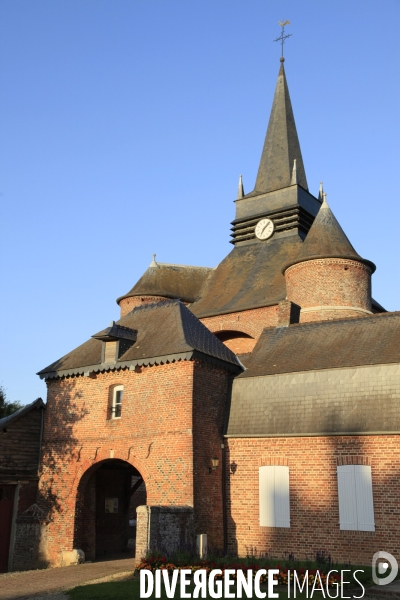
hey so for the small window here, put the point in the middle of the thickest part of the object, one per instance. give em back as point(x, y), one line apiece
point(356, 504)
point(117, 402)
point(274, 496)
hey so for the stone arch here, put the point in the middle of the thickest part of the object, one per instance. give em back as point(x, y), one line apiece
point(104, 500)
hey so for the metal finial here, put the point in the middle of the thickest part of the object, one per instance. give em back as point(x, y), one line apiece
point(153, 262)
point(283, 37)
point(321, 191)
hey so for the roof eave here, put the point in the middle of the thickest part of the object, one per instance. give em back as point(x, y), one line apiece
point(364, 261)
point(146, 361)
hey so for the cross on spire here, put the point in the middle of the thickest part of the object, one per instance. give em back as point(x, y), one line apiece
point(283, 37)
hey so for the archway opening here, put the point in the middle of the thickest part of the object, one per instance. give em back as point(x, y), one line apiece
point(108, 496)
point(237, 341)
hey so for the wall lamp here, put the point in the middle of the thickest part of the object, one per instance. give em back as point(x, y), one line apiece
point(214, 462)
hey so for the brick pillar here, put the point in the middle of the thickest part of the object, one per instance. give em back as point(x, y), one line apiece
point(288, 313)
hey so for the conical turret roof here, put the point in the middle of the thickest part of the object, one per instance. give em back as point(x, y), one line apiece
point(326, 239)
point(281, 146)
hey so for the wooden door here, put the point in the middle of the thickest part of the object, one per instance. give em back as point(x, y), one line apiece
point(6, 512)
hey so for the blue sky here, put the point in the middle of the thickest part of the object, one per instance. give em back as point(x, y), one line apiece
point(126, 123)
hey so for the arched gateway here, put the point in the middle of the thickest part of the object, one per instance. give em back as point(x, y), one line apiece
point(105, 520)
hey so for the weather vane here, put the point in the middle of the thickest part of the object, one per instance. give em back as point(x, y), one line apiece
point(283, 37)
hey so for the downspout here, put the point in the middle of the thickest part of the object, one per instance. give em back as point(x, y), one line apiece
point(224, 469)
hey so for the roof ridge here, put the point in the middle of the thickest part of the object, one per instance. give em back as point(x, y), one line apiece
point(184, 266)
point(333, 321)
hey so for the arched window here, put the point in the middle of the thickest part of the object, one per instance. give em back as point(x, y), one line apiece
point(116, 410)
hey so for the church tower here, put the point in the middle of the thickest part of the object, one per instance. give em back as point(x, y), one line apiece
point(281, 192)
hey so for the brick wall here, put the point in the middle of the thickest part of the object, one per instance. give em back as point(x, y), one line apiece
point(162, 407)
point(209, 403)
point(314, 512)
point(154, 435)
point(333, 288)
point(250, 322)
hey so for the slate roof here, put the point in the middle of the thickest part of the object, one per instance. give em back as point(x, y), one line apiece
point(166, 331)
point(116, 332)
point(249, 277)
point(326, 239)
point(326, 345)
point(281, 146)
point(6, 421)
point(170, 281)
point(327, 378)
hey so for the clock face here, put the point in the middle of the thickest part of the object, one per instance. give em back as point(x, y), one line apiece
point(264, 229)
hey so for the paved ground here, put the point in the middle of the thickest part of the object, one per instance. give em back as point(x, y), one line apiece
point(35, 584)
point(385, 591)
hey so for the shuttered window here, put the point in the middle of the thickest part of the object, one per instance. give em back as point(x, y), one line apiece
point(274, 496)
point(118, 392)
point(356, 505)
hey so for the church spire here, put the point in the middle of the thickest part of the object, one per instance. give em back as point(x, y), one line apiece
point(281, 146)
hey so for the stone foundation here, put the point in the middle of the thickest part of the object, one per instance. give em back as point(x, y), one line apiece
point(164, 529)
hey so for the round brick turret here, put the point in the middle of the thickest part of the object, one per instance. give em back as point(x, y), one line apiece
point(131, 302)
point(329, 288)
point(328, 279)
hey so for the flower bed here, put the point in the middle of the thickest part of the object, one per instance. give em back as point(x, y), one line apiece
point(153, 563)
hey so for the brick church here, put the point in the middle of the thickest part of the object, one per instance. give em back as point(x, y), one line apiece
point(257, 402)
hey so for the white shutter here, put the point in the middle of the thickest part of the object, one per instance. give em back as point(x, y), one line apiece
point(282, 499)
point(266, 490)
point(347, 497)
point(365, 503)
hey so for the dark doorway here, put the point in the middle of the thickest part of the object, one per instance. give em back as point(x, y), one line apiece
point(107, 524)
point(6, 513)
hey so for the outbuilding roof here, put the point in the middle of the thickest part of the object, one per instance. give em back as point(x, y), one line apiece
point(166, 332)
point(6, 421)
point(351, 342)
point(317, 379)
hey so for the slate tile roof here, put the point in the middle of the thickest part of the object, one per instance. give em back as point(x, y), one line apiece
point(166, 331)
point(326, 345)
point(170, 281)
point(327, 378)
point(249, 277)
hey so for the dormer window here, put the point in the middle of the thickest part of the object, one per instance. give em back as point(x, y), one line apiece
point(117, 340)
point(116, 411)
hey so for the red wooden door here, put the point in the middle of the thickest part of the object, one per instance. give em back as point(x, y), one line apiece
point(6, 512)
